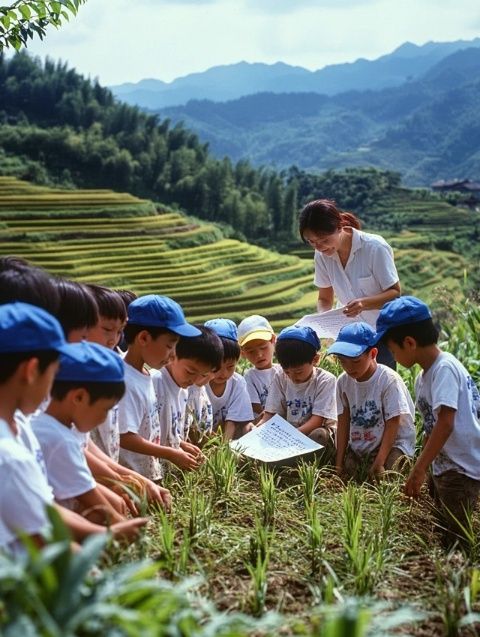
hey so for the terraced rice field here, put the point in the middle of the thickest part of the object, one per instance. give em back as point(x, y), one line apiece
point(118, 240)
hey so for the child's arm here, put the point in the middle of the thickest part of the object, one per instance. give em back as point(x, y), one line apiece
point(343, 435)
point(153, 492)
point(94, 501)
point(82, 528)
point(257, 408)
point(134, 442)
point(231, 428)
point(433, 445)
point(314, 422)
point(390, 433)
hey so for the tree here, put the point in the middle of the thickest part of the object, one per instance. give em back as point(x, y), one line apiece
point(22, 19)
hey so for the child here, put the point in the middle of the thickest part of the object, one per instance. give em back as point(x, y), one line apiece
point(257, 341)
point(30, 343)
point(375, 411)
point(154, 326)
point(103, 448)
point(195, 359)
point(78, 311)
point(227, 391)
point(449, 403)
point(89, 382)
point(302, 393)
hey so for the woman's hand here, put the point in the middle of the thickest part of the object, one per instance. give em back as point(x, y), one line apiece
point(353, 308)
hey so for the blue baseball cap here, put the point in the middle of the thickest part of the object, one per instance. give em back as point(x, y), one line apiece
point(401, 311)
point(225, 328)
point(28, 328)
point(153, 310)
point(353, 339)
point(90, 362)
point(300, 333)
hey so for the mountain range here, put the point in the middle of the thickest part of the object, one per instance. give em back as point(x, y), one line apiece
point(228, 82)
point(426, 128)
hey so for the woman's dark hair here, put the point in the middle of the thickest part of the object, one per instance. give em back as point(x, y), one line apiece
point(424, 332)
point(231, 349)
point(10, 361)
point(291, 352)
point(110, 303)
point(96, 390)
point(78, 307)
point(323, 216)
point(20, 281)
point(131, 330)
point(206, 348)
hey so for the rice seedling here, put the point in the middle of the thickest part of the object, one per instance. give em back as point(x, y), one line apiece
point(222, 467)
point(309, 477)
point(315, 534)
point(166, 542)
point(364, 554)
point(268, 492)
point(257, 567)
point(200, 514)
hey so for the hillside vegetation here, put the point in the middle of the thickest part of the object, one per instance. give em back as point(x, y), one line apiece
point(119, 240)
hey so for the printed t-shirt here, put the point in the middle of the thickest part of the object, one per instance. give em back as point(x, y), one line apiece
point(258, 383)
point(107, 436)
point(234, 404)
point(199, 412)
point(171, 402)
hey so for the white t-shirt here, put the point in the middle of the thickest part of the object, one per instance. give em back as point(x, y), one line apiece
point(107, 436)
point(67, 471)
point(258, 383)
point(370, 269)
point(23, 496)
point(26, 438)
point(199, 412)
point(138, 413)
point(234, 404)
point(172, 403)
point(297, 402)
point(448, 383)
point(371, 403)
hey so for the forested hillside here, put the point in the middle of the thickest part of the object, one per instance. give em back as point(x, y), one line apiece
point(58, 128)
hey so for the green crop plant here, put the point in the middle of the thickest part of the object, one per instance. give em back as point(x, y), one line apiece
point(308, 473)
point(222, 467)
point(268, 492)
point(315, 537)
point(257, 567)
point(200, 514)
point(364, 552)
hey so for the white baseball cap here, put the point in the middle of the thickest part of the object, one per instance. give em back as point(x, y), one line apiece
point(253, 328)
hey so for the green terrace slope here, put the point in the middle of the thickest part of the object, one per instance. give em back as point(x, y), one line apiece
point(118, 240)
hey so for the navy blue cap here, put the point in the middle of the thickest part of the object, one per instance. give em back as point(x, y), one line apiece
point(28, 328)
point(353, 339)
point(90, 362)
point(401, 311)
point(153, 310)
point(300, 333)
point(225, 328)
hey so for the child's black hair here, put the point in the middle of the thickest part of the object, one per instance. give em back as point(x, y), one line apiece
point(207, 347)
point(78, 307)
point(131, 330)
point(9, 362)
point(95, 389)
point(127, 296)
point(424, 332)
point(291, 352)
point(20, 281)
point(110, 303)
point(231, 349)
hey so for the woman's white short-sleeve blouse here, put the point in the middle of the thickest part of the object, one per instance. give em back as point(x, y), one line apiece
point(370, 269)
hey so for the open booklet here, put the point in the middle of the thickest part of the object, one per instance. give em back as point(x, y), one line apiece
point(328, 324)
point(275, 440)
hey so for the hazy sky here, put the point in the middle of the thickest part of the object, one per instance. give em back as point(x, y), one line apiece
point(127, 40)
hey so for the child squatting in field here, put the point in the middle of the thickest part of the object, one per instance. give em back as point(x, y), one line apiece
point(449, 403)
point(376, 414)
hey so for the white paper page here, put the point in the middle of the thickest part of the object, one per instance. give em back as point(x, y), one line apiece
point(328, 324)
point(275, 440)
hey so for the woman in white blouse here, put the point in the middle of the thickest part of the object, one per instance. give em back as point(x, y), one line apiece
point(355, 266)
